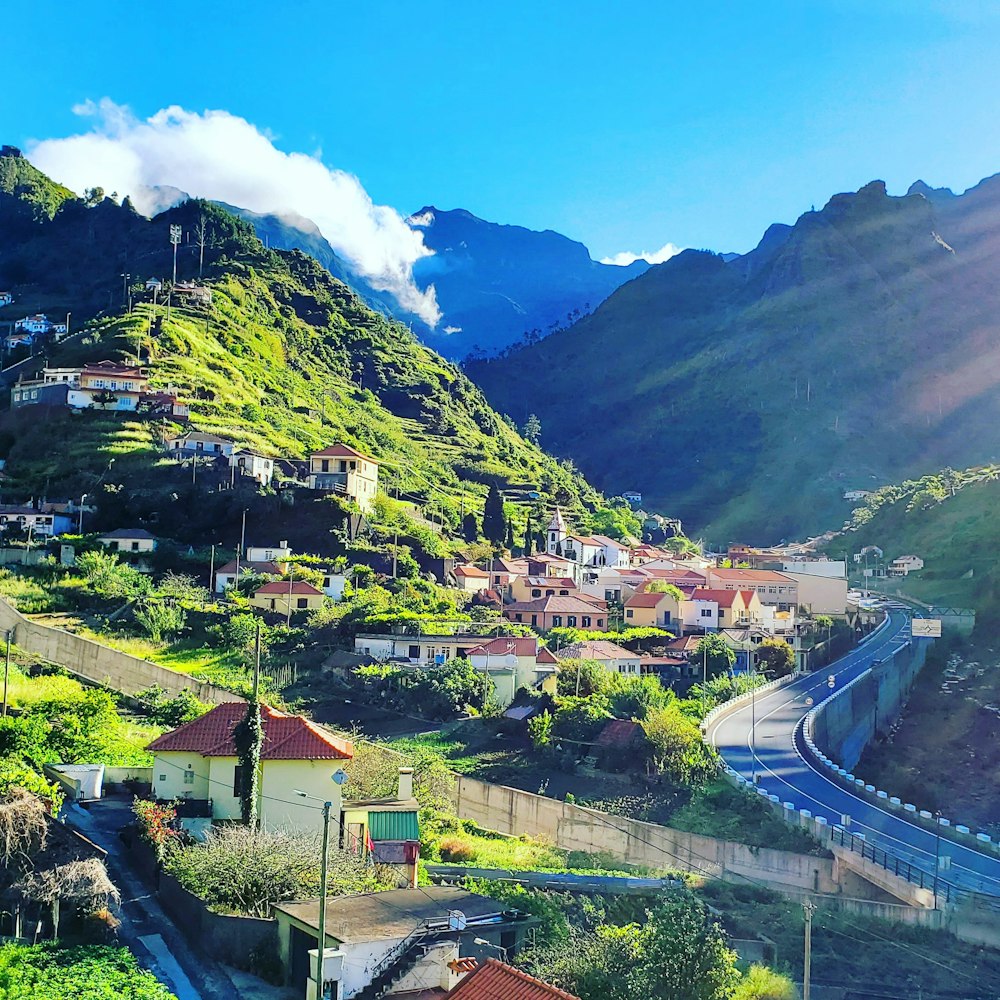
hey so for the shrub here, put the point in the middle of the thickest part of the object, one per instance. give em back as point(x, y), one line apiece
point(455, 849)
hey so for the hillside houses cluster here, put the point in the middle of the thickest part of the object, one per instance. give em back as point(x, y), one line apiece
point(30, 331)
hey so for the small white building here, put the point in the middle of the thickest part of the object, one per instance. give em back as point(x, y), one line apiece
point(128, 540)
point(514, 662)
point(39, 323)
point(903, 565)
point(268, 553)
point(6, 299)
point(249, 463)
point(471, 579)
point(857, 494)
point(333, 584)
point(225, 576)
point(199, 443)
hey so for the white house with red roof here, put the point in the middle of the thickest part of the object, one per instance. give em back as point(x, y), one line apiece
point(341, 469)
point(471, 579)
point(199, 762)
point(515, 662)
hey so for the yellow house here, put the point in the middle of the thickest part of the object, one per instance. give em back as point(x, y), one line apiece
point(279, 597)
point(343, 470)
point(529, 588)
point(198, 764)
point(653, 609)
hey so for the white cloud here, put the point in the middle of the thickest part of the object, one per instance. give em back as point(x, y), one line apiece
point(423, 220)
point(220, 156)
point(452, 329)
point(626, 257)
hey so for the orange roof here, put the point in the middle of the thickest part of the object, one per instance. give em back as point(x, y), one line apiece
point(641, 599)
point(599, 649)
point(559, 604)
point(342, 451)
point(516, 645)
point(550, 581)
point(496, 981)
point(471, 571)
point(299, 587)
point(286, 737)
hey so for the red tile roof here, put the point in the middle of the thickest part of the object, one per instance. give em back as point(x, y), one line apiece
point(556, 604)
point(517, 645)
point(724, 598)
point(286, 737)
point(496, 981)
point(619, 733)
point(566, 582)
point(299, 587)
point(596, 649)
point(341, 451)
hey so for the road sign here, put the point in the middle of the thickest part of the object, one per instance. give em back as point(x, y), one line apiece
point(925, 627)
point(831, 681)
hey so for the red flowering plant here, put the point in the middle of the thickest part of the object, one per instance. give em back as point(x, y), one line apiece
point(155, 821)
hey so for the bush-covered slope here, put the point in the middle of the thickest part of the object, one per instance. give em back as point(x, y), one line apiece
point(286, 359)
point(853, 349)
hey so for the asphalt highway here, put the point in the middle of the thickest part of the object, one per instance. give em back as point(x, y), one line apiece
point(763, 737)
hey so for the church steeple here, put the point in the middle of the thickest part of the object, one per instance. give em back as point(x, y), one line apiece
point(556, 534)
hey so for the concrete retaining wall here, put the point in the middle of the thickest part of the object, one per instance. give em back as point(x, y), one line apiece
point(101, 664)
point(224, 938)
point(844, 725)
point(574, 828)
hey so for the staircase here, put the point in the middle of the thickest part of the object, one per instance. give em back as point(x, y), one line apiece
point(397, 964)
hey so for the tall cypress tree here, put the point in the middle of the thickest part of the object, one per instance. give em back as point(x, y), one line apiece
point(509, 542)
point(494, 522)
point(529, 538)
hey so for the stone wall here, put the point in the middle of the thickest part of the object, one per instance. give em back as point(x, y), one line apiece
point(100, 664)
point(575, 828)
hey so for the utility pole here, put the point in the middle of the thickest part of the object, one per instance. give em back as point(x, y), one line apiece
point(808, 906)
point(211, 571)
point(256, 665)
point(288, 616)
point(321, 955)
point(6, 673)
point(239, 551)
point(79, 525)
point(395, 539)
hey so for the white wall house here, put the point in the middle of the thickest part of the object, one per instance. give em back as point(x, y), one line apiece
point(268, 553)
point(905, 564)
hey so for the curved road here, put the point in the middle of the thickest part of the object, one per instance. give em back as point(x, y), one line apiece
point(775, 721)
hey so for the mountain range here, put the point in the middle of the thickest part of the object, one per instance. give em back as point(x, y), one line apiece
point(746, 395)
point(286, 359)
point(497, 285)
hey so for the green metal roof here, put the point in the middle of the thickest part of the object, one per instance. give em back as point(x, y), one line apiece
point(393, 826)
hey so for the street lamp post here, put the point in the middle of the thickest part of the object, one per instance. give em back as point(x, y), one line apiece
point(483, 943)
point(937, 852)
point(321, 950)
point(79, 525)
point(6, 672)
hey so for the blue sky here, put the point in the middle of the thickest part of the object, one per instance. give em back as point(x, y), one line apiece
point(625, 126)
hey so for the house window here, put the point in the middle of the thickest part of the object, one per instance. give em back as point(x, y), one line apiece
point(563, 593)
point(536, 593)
point(629, 613)
point(571, 621)
point(302, 602)
point(272, 604)
point(135, 546)
point(414, 652)
point(600, 623)
point(585, 621)
point(610, 595)
point(162, 777)
point(550, 593)
point(706, 612)
point(237, 779)
point(189, 777)
point(325, 465)
point(517, 617)
point(534, 619)
point(556, 621)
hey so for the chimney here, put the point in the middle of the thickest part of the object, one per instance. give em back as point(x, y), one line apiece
point(283, 544)
point(405, 783)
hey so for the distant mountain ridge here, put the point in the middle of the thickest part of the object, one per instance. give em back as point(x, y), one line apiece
point(858, 347)
point(497, 283)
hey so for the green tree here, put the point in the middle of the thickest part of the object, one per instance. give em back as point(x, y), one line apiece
point(775, 658)
point(509, 540)
point(677, 746)
point(540, 730)
point(664, 587)
point(470, 527)
point(532, 430)
point(494, 521)
point(677, 953)
point(581, 677)
point(762, 983)
point(160, 620)
point(580, 719)
point(714, 655)
point(529, 537)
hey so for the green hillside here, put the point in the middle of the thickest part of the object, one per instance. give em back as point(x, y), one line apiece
point(951, 520)
point(285, 360)
point(855, 349)
point(35, 196)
